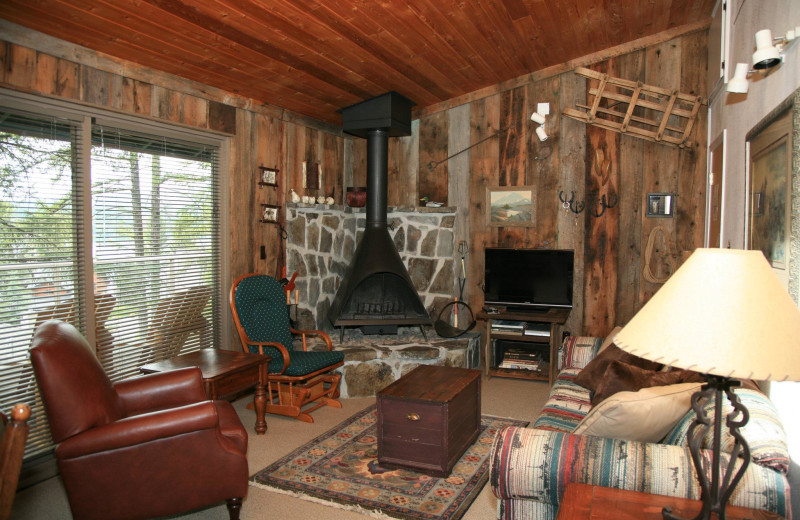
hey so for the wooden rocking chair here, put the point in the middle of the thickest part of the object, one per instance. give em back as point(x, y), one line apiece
point(299, 381)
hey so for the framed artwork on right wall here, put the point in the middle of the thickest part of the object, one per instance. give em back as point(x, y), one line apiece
point(770, 190)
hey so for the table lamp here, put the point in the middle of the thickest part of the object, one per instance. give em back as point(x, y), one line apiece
point(723, 313)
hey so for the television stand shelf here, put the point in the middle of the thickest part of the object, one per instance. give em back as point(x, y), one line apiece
point(551, 320)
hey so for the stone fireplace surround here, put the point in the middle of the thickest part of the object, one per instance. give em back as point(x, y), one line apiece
point(321, 241)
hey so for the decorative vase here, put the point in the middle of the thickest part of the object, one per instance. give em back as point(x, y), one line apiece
point(356, 197)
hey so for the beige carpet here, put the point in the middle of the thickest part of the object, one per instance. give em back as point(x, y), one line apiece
point(500, 397)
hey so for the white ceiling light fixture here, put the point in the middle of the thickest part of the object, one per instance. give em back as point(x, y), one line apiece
point(769, 54)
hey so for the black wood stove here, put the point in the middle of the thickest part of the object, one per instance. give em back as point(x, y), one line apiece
point(377, 293)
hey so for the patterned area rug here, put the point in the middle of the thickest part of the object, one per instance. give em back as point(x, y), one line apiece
point(340, 468)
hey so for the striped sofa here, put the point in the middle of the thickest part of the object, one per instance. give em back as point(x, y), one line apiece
point(531, 467)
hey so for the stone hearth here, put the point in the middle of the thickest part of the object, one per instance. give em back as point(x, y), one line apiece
point(373, 362)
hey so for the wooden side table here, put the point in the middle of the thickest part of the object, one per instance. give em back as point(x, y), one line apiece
point(225, 374)
point(584, 502)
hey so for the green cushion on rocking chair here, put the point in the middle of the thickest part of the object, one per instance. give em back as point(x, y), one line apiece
point(302, 362)
point(260, 303)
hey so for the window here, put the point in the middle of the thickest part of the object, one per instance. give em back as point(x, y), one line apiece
point(113, 230)
point(154, 248)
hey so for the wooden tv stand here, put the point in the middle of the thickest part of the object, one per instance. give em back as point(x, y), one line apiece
point(553, 317)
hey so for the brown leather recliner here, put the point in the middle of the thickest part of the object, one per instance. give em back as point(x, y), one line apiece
point(139, 448)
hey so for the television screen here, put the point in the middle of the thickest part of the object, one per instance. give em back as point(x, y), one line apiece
point(528, 278)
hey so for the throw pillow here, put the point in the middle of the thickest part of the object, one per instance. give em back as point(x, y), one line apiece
point(592, 374)
point(577, 351)
point(764, 431)
point(622, 377)
point(646, 416)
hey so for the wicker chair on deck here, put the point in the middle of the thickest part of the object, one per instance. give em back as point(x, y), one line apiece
point(299, 381)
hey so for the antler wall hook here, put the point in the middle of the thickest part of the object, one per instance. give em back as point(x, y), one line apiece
point(604, 204)
point(575, 207)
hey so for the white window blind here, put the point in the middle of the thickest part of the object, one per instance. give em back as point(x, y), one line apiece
point(155, 251)
point(137, 262)
point(40, 211)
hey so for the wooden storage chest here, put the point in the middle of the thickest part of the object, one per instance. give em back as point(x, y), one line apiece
point(428, 418)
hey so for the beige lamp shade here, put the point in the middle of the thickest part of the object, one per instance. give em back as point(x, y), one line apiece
point(723, 312)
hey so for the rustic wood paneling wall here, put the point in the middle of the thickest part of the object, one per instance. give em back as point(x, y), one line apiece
point(612, 281)
point(256, 139)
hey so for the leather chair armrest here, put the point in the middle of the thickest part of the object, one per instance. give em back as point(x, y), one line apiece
point(139, 429)
point(161, 391)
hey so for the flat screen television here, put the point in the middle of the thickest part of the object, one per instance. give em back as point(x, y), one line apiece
point(528, 279)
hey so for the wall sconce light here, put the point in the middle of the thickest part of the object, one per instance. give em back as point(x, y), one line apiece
point(769, 54)
point(766, 55)
point(540, 119)
point(739, 83)
point(536, 117)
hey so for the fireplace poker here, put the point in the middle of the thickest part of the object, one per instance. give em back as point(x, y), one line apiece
point(463, 249)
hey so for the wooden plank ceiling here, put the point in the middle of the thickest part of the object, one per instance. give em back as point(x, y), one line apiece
point(314, 57)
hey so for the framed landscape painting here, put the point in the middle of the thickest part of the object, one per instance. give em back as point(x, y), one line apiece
point(770, 191)
point(509, 206)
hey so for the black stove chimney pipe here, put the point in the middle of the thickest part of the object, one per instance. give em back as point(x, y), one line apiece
point(377, 177)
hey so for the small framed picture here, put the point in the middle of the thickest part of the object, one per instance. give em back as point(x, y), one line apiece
point(660, 205)
point(269, 213)
point(509, 206)
point(268, 176)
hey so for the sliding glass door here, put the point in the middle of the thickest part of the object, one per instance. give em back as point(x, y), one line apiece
point(111, 229)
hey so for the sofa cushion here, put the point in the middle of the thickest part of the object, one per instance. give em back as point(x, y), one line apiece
point(567, 404)
point(623, 377)
point(592, 374)
point(647, 415)
point(764, 432)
